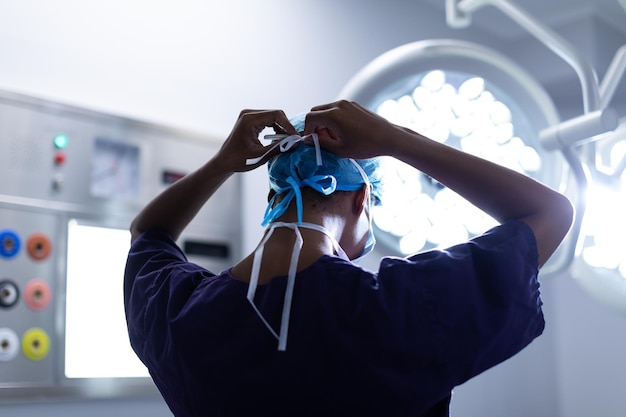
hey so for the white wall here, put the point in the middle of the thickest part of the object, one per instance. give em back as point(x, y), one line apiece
point(591, 341)
point(196, 64)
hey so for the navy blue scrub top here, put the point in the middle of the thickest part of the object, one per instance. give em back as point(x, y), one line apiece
point(391, 343)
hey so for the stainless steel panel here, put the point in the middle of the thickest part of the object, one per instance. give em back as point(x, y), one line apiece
point(110, 167)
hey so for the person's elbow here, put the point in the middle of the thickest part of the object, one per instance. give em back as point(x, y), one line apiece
point(135, 230)
point(553, 226)
point(564, 216)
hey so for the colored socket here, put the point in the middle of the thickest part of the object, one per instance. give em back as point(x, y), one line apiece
point(37, 294)
point(9, 293)
point(38, 246)
point(9, 243)
point(9, 344)
point(35, 344)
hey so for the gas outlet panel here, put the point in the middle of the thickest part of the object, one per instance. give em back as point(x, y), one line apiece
point(72, 181)
point(27, 287)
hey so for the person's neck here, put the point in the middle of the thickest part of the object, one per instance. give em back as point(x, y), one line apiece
point(278, 248)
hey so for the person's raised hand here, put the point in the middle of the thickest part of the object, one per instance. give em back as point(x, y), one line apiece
point(243, 142)
point(349, 130)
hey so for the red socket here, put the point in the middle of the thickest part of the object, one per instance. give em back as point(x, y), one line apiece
point(37, 294)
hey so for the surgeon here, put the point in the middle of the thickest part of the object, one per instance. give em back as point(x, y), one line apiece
point(297, 328)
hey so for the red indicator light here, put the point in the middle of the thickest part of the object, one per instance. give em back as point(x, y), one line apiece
point(59, 158)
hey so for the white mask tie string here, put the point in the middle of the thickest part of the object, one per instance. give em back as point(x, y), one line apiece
point(285, 143)
point(291, 276)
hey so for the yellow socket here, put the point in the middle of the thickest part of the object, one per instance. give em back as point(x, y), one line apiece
point(35, 344)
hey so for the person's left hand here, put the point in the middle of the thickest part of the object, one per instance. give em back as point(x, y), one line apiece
point(243, 142)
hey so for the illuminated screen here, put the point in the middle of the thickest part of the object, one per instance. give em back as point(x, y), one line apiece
point(96, 339)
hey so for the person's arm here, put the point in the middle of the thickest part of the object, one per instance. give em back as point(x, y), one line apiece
point(349, 130)
point(173, 209)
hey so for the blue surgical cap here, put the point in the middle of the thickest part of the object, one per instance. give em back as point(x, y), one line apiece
point(298, 168)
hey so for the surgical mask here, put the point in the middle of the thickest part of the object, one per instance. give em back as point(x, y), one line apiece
point(369, 245)
point(371, 239)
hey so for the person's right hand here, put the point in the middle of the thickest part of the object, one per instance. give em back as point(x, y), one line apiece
point(243, 142)
point(349, 130)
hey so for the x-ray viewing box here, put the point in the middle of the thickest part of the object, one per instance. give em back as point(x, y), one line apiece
point(71, 182)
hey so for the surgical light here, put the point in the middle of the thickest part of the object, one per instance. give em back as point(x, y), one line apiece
point(600, 266)
point(604, 241)
point(593, 145)
point(468, 97)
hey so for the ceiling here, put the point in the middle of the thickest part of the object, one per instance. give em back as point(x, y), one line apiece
point(554, 13)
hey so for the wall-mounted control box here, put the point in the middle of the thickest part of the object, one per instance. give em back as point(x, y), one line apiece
point(71, 181)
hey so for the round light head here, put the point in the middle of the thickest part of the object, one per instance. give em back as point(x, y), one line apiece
point(468, 97)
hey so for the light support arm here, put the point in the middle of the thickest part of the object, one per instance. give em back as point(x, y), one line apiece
point(596, 121)
point(613, 76)
point(587, 75)
point(611, 176)
point(579, 130)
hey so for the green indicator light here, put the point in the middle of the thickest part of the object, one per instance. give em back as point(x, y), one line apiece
point(60, 141)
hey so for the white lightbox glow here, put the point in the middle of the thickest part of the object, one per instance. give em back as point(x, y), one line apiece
point(96, 338)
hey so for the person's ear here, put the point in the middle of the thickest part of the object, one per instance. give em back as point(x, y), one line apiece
point(359, 200)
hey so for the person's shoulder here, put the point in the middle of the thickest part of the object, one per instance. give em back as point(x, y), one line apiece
point(339, 263)
point(510, 229)
point(513, 237)
point(152, 236)
point(336, 267)
point(508, 238)
point(155, 240)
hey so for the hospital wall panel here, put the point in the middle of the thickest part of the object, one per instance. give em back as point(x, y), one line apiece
point(71, 181)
